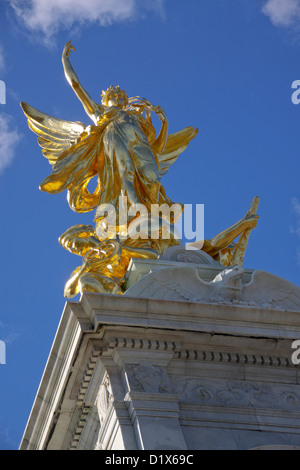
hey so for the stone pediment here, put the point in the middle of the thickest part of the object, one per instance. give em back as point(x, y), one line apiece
point(207, 281)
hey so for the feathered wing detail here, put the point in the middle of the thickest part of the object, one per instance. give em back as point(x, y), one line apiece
point(268, 290)
point(176, 284)
point(73, 170)
point(72, 152)
point(54, 135)
point(175, 145)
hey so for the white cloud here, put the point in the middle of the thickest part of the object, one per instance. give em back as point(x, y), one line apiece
point(9, 139)
point(50, 16)
point(283, 12)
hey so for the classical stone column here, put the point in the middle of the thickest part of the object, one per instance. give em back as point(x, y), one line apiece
point(152, 407)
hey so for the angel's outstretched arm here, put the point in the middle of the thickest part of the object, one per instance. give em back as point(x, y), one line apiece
point(161, 139)
point(89, 104)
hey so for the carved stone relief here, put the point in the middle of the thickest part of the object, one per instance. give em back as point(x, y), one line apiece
point(237, 393)
point(183, 255)
point(104, 398)
point(227, 287)
point(146, 377)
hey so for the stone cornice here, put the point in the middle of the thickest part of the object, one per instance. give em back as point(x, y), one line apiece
point(98, 309)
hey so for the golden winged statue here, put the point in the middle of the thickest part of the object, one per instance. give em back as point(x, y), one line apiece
point(121, 149)
point(128, 157)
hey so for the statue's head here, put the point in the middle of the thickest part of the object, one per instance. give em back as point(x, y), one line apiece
point(114, 96)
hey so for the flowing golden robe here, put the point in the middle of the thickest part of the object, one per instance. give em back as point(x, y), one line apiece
point(119, 149)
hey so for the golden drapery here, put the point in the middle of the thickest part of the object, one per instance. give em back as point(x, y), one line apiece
point(119, 150)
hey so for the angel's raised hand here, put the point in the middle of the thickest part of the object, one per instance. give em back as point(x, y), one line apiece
point(67, 49)
point(160, 113)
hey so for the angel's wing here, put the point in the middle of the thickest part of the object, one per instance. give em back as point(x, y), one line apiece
point(175, 145)
point(182, 284)
point(268, 290)
point(54, 135)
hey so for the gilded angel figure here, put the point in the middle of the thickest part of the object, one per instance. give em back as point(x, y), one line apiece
point(128, 157)
point(121, 147)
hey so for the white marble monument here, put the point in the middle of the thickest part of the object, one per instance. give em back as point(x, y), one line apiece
point(191, 357)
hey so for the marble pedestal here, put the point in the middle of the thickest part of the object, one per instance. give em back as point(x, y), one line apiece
point(131, 372)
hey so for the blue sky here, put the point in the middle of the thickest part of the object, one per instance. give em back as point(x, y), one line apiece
point(224, 66)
